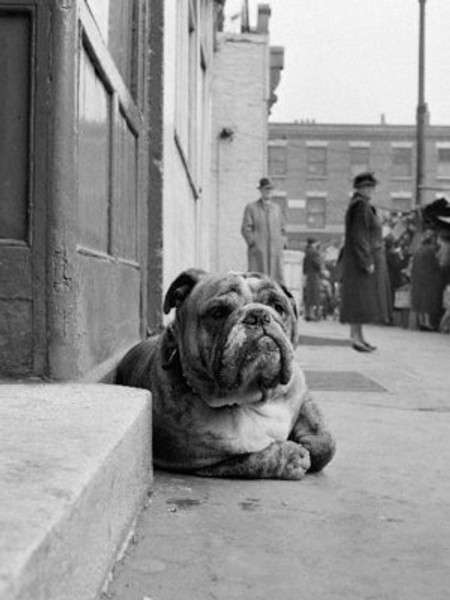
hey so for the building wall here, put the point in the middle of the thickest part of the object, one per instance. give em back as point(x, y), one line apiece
point(188, 65)
point(77, 232)
point(296, 184)
point(22, 192)
point(100, 226)
point(119, 196)
point(239, 130)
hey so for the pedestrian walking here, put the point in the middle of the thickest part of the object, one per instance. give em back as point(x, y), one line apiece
point(312, 268)
point(396, 263)
point(263, 229)
point(366, 296)
point(427, 284)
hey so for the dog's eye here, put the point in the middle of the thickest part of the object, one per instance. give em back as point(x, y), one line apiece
point(219, 312)
point(281, 310)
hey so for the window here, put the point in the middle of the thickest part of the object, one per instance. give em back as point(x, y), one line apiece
point(443, 166)
point(359, 159)
point(118, 22)
point(315, 212)
point(182, 75)
point(401, 161)
point(280, 199)
point(193, 66)
point(316, 161)
point(401, 202)
point(296, 211)
point(193, 55)
point(277, 158)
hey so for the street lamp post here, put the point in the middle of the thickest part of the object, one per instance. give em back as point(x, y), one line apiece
point(245, 21)
point(421, 111)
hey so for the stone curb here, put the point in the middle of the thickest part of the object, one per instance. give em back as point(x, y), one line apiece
point(75, 465)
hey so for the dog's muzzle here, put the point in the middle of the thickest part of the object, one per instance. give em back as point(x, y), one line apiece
point(257, 317)
point(257, 352)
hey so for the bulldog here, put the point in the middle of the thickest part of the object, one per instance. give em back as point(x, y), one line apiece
point(229, 399)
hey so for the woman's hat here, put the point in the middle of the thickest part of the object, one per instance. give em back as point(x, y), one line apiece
point(365, 180)
point(265, 183)
point(437, 215)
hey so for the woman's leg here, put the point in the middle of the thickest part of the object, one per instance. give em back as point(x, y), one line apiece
point(357, 337)
point(356, 334)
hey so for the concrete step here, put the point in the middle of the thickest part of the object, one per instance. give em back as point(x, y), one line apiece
point(75, 466)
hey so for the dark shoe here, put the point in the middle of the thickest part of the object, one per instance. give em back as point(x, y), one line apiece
point(371, 348)
point(360, 347)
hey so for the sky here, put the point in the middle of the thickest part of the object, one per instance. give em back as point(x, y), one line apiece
point(350, 61)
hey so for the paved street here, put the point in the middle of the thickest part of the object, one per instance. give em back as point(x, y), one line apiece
point(374, 525)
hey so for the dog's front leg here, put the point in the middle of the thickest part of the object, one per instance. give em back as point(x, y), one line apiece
point(280, 460)
point(309, 431)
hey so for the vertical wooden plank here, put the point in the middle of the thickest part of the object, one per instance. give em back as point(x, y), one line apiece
point(16, 297)
point(94, 163)
point(125, 231)
point(39, 174)
point(154, 101)
point(15, 83)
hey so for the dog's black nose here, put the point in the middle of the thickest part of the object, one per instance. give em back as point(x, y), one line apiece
point(257, 316)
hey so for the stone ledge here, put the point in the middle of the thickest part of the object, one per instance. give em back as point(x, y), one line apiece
point(75, 464)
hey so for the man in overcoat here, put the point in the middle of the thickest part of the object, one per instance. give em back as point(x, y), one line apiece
point(263, 229)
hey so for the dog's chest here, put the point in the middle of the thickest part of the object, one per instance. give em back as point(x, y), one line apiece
point(259, 426)
point(251, 428)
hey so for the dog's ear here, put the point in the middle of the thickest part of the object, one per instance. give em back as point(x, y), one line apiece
point(293, 303)
point(291, 299)
point(169, 349)
point(181, 288)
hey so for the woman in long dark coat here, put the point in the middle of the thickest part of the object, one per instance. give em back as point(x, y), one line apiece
point(366, 296)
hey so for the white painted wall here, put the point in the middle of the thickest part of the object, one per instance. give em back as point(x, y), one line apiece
point(185, 217)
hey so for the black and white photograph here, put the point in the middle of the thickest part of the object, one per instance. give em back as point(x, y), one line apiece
point(224, 299)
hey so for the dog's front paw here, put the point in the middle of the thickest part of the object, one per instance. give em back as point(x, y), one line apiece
point(294, 461)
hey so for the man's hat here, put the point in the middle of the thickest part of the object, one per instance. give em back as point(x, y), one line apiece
point(265, 183)
point(366, 179)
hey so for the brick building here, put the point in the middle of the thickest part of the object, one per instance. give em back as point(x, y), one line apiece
point(312, 166)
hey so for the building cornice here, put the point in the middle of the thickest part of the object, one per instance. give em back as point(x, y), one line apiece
point(318, 130)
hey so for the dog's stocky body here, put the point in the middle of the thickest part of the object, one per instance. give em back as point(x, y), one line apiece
point(228, 397)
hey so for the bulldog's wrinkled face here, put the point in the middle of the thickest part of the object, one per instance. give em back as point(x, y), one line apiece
point(235, 337)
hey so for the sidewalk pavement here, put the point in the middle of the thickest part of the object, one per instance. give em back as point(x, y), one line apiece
point(373, 525)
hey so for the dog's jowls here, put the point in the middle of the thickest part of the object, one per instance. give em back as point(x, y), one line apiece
point(229, 399)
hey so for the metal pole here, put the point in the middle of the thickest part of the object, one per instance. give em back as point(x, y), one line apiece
point(245, 23)
point(421, 111)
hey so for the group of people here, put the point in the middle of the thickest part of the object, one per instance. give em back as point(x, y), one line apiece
point(365, 262)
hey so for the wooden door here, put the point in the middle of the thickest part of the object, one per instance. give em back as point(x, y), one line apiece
point(22, 215)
